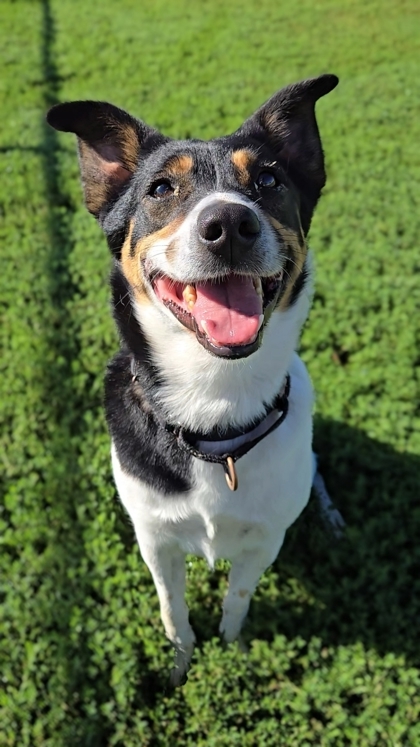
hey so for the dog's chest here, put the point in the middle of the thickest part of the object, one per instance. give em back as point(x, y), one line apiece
point(219, 523)
point(214, 522)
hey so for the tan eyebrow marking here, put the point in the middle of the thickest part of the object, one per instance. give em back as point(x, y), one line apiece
point(180, 165)
point(295, 242)
point(243, 160)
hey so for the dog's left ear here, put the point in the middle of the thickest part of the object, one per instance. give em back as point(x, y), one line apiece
point(110, 141)
point(288, 122)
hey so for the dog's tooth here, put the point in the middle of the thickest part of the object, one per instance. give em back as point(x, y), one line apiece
point(258, 286)
point(204, 326)
point(189, 295)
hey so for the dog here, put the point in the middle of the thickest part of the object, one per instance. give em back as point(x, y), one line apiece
point(208, 405)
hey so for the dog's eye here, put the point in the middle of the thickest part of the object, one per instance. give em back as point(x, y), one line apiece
point(266, 180)
point(161, 189)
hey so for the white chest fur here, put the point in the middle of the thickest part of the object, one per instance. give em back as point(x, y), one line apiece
point(211, 521)
point(248, 526)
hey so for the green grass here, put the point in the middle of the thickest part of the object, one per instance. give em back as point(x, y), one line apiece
point(333, 629)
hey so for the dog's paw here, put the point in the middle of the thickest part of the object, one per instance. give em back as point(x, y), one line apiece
point(183, 656)
point(230, 628)
point(177, 677)
point(242, 646)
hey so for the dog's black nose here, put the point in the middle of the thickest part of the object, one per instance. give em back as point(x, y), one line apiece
point(228, 229)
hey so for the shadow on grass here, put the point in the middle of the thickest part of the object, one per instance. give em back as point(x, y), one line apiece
point(365, 587)
point(63, 412)
point(69, 570)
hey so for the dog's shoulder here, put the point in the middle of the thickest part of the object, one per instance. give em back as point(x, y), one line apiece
point(146, 451)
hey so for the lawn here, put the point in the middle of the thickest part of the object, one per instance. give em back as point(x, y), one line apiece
point(333, 629)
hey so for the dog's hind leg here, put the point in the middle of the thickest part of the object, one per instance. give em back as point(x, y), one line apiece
point(167, 566)
point(247, 569)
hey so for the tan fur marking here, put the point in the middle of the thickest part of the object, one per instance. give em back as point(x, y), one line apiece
point(130, 146)
point(166, 232)
point(243, 161)
point(131, 258)
point(298, 249)
point(101, 176)
point(94, 184)
point(180, 165)
point(130, 264)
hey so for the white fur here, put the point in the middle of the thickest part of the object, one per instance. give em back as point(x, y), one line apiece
point(201, 390)
point(188, 259)
point(246, 527)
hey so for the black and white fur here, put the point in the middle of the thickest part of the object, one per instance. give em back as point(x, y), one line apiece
point(152, 196)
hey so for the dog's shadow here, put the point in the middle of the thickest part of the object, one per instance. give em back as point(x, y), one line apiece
point(364, 587)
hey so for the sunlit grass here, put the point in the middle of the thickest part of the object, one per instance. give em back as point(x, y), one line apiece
point(333, 628)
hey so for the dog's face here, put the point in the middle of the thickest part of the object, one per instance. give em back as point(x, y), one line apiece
point(210, 233)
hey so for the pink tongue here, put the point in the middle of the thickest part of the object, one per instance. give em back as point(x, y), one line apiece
point(229, 312)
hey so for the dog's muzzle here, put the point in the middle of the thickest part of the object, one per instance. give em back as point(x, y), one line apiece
point(228, 230)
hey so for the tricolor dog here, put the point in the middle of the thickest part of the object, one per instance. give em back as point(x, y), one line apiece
point(208, 404)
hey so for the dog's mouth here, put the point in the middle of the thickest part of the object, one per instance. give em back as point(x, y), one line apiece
point(226, 315)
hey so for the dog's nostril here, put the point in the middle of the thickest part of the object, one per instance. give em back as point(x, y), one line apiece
point(213, 231)
point(250, 227)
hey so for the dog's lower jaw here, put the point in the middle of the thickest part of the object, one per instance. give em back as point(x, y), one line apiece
point(201, 391)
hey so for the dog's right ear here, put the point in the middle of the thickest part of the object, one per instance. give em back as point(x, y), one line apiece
point(109, 142)
point(288, 122)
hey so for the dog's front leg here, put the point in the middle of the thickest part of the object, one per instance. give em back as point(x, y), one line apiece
point(167, 566)
point(247, 569)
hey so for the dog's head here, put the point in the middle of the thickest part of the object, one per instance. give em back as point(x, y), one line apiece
point(213, 234)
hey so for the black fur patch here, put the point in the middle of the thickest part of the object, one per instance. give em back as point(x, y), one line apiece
point(299, 285)
point(145, 449)
point(123, 161)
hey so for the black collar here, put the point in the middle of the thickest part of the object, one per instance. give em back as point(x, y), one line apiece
point(211, 446)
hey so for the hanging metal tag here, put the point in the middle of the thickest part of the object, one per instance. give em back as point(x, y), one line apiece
point(230, 474)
